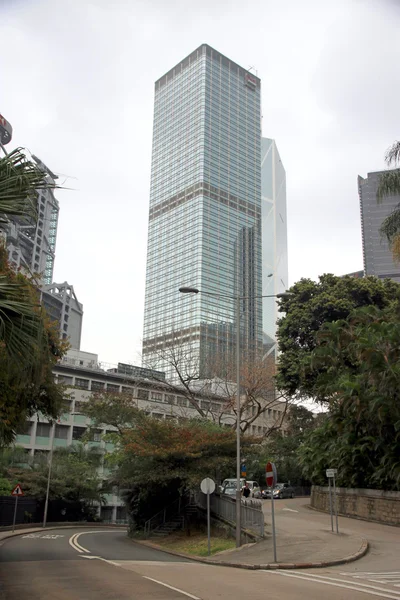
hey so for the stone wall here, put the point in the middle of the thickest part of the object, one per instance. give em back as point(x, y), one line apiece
point(371, 505)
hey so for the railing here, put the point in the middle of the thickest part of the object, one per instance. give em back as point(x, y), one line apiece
point(172, 510)
point(252, 516)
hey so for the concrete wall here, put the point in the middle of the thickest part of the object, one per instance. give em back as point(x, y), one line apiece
point(371, 505)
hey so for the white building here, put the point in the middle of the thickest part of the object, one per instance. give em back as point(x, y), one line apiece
point(83, 374)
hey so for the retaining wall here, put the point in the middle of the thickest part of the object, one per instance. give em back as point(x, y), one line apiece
point(371, 505)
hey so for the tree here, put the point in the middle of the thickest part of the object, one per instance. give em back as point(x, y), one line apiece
point(74, 475)
point(361, 437)
point(29, 344)
point(164, 459)
point(389, 184)
point(311, 305)
point(215, 397)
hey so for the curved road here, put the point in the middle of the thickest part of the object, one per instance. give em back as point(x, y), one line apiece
point(103, 564)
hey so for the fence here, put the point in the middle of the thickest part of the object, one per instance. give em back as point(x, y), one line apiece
point(252, 516)
point(165, 514)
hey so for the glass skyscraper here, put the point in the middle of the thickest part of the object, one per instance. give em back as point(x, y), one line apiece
point(205, 211)
point(274, 237)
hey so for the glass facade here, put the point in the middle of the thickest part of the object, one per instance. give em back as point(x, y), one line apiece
point(205, 210)
point(274, 236)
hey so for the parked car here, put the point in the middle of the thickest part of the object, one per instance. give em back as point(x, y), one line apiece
point(281, 490)
point(229, 487)
point(254, 488)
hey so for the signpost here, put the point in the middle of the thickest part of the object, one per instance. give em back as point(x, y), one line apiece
point(271, 478)
point(207, 486)
point(17, 492)
point(330, 473)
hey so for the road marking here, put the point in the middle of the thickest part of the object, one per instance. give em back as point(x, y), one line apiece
point(101, 558)
point(76, 546)
point(358, 587)
point(174, 588)
point(389, 577)
point(290, 509)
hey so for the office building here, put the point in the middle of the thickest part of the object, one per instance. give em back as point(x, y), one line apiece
point(377, 255)
point(31, 244)
point(274, 237)
point(84, 375)
point(205, 212)
point(62, 306)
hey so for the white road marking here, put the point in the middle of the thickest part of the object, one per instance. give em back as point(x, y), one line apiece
point(101, 558)
point(174, 588)
point(76, 546)
point(290, 509)
point(389, 577)
point(342, 583)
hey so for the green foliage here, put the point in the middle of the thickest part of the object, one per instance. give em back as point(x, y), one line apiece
point(361, 438)
point(5, 487)
point(389, 185)
point(311, 306)
point(74, 476)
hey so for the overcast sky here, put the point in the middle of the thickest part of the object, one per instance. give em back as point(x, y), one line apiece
point(77, 83)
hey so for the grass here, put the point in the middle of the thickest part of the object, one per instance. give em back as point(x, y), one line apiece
point(196, 544)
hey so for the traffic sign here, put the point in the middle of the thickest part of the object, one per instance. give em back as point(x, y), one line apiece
point(331, 472)
point(207, 486)
point(270, 474)
point(17, 491)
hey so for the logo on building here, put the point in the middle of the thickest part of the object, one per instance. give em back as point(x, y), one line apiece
point(250, 81)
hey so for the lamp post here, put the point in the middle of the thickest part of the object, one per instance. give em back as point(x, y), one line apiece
point(237, 299)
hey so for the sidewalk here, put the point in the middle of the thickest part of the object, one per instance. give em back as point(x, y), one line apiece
point(303, 539)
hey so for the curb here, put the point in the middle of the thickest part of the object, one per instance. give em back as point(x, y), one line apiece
point(362, 551)
point(11, 534)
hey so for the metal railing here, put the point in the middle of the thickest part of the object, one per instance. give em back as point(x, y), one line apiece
point(167, 513)
point(252, 516)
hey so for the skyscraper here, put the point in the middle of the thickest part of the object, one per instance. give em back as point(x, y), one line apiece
point(274, 236)
point(377, 256)
point(205, 210)
point(31, 244)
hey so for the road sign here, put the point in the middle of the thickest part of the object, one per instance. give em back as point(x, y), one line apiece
point(270, 474)
point(331, 472)
point(243, 471)
point(207, 486)
point(17, 491)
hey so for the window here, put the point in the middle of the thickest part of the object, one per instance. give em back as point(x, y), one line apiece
point(96, 435)
point(82, 383)
point(111, 387)
point(170, 398)
point(181, 401)
point(78, 432)
point(205, 405)
point(43, 430)
point(156, 396)
point(157, 415)
point(65, 379)
point(79, 406)
point(61, 432)
point(127, 390)
point(143, 394)
point(25, 428)
point(97, 385)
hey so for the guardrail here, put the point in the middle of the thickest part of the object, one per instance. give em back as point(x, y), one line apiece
point(252, 516)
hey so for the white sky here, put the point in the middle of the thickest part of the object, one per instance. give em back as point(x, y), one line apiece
point(76, 83)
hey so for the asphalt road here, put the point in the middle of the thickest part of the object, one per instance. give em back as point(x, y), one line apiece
point(82, 564)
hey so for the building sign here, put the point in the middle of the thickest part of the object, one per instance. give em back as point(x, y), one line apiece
point(5, 130)
point(250, 81)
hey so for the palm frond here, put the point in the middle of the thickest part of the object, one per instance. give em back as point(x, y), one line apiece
point(20, 179)
point(389, 184)
point(21, 324)
point(390, 230)
point(392, 156)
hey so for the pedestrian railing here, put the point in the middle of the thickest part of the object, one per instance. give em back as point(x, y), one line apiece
point(167, 513)
point(251, 513)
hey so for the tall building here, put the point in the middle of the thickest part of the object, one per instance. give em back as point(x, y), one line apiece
point(62, 306)
point(205, 210)
point(274, 237)
point(31, 245)
point(377, 256)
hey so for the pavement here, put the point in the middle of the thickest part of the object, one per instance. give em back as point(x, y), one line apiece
point(102, 563)
point(304, 539)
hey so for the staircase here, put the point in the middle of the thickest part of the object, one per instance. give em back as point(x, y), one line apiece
point(173, 524)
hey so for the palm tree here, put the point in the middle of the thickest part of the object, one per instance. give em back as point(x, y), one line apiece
point(389, 184)
point(21, 323)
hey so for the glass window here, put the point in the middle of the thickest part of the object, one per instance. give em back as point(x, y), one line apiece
point(143, 394)
point(61, 432)
point(43, 430)
point(65, 379)
point(97, 385)
point(111, 387)
point(156, 396)
point(78, 432)
point(82, 383)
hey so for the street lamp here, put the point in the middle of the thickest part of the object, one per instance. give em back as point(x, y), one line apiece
point(193, 290)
